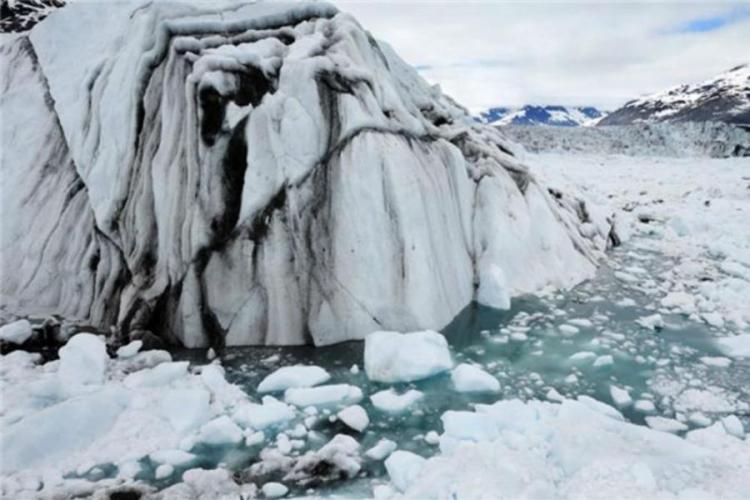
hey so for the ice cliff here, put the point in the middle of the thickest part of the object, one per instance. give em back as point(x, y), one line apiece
point(258, 174)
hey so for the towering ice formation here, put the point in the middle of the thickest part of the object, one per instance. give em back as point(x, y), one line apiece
point(258, 174)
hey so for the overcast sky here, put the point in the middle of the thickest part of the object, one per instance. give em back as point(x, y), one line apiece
point(586, 53)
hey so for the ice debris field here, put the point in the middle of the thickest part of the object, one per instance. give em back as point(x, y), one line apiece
point(631, 384)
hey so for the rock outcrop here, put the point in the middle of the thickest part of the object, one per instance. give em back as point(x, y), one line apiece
point(257, 174)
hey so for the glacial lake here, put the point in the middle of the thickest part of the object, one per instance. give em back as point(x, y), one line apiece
point(528, 353)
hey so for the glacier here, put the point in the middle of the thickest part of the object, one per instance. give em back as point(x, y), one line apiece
point(267, 173)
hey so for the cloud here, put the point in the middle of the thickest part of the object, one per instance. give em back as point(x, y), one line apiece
point(594, 53)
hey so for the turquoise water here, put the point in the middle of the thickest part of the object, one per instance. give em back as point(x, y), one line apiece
point(527, 369)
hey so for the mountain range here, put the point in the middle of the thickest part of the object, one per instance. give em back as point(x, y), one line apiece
point(561, 116)
point(723, 98)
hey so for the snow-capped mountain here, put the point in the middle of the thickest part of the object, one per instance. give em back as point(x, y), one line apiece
point(724, 98)
point(560, 116)
point(22, 15)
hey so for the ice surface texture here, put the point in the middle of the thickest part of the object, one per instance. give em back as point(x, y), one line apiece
point(680, 140)
point(257, 174)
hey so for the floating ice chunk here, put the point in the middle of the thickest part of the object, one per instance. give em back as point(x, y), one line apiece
point(60, 430)
point(733, 426)
point(736, 347)
point(185, 409)
point(355, 417)
point(652, 322)
point(17, 332)
point(176, 458)
point(274, 490)
point(644, 406)
point(403, 357)
point(161, 374)
point(323, 395)
point(682, 301)
point(519, 337)
point(255, 439)
point(493, 290)
point(716, 361)
point(403, 468)
point(381, 450)
point(391, 402)
point(340, 457)
point(220, 431)
point(620, 396)
point(432, 437)
point(582, 356)
point(164, 470)
point(213, 378)
point(202, 484)
point(700, 419)
point(605, 360)
point(569, 330)
point(296, 376)
point(714, 319)
point(665, 424)
point(470, 378)
point(553, 395)
point(599, 407)
point(147, 359)
point(83, 360)
point(129, 350)
point(469, 426)
point(128, 469)
point(260, 416)
point(283, 444)
point(582, 322)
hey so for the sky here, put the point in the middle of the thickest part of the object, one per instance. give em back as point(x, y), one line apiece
point(598, 53)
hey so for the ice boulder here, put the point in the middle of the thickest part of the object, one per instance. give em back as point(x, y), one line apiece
point(17, 332)
point(176, 458)
point(381, 450)
point(129, 350)
point(337, 459)
point(665, 424)
point(493, 290)
point(260, 416)
point(403, 468)
point(58, 431)
point(404, 357)
point(470, 378)
point(161, 374)
point(323, 395)
point(355, 417)
point(83, 360)
point(205, 173)
point(293, 376)
point(185, 409)
point(390, 401)
point(220, 431)
point(737, 346)
point(274, 490)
